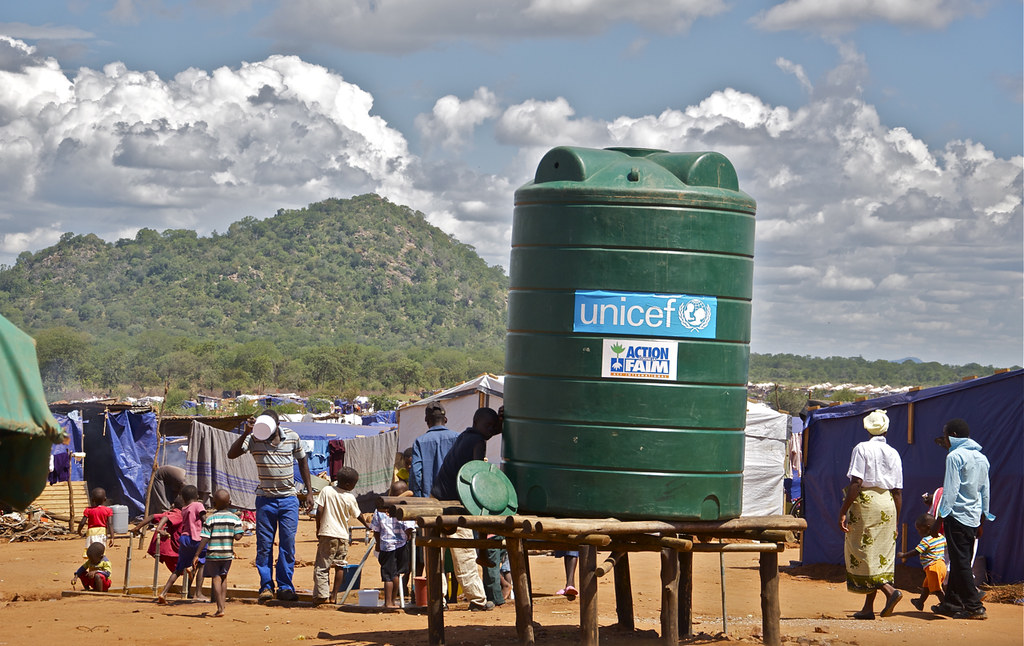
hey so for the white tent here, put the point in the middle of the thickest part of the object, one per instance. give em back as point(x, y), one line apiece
point(460, 403)
point(764, 462)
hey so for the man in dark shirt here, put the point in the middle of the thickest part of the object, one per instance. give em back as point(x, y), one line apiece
point(470, 445)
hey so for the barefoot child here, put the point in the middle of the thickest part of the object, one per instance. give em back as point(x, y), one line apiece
point(335, 508)
point(192, 515)
point(95, 572)
point(392, 538)
point(167, 533)
point(930, 552)
point(98, 517)
point(220, 530)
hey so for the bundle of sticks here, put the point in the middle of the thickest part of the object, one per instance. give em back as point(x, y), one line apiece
point(33, 527)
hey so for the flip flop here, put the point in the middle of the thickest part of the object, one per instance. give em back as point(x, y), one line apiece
point(863, 615)
point(891, 605)
point(161, 600)
point(570, 593)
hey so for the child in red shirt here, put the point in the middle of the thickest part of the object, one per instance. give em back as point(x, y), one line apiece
point(98, 517)
point(192, 515)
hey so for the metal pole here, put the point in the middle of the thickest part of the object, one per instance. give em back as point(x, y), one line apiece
point(721, 573)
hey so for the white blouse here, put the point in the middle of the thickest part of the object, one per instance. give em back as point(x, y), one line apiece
point(877, 464)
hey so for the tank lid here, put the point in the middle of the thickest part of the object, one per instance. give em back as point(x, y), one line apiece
point(636, 175)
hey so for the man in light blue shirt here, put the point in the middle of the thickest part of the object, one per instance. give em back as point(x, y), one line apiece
point(963, 508)
point(429, 449)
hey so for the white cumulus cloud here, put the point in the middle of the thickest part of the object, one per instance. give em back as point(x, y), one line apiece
point(409, 25)
point(837, 16)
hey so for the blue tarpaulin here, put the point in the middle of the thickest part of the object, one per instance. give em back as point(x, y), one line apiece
point(994, 409)
point(133, 440)
point(381, 417)
point(73, 428)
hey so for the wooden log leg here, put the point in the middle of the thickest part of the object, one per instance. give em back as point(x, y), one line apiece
point(588, 595)
point(686, 594)
point(623, 593)
point(435, 601)
point(770, 611)
point(669, 597)
point(521, 588)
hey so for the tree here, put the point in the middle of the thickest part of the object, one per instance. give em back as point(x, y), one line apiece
point(62, 354)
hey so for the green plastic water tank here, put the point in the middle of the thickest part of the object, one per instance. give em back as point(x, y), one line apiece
point(628, 336)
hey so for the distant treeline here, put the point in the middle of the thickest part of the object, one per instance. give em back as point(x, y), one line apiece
point(795, 370)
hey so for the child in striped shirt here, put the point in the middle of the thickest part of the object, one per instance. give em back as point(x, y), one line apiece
point(220, 530)
point(930, 551)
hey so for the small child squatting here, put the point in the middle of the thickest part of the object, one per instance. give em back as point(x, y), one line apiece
point(95, 572)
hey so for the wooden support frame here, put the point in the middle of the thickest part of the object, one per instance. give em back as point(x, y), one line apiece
point(675, 546)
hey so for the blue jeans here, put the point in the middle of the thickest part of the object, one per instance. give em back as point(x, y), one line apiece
point(273, 516)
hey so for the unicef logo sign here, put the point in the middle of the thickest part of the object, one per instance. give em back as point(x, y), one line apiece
point(645, 314)
point(694, 314)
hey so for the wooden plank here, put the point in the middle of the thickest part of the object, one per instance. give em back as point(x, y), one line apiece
point(435, 602)
point(623, 592)
point(521, 589)
point(669, 597)
point(685, 594)
point(771, 614)
point(588, 595)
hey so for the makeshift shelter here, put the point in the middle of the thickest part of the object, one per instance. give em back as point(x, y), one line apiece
point(764, 460)
point(460, 403)
point(120, 443)
point(27, 428)
point(992, 406)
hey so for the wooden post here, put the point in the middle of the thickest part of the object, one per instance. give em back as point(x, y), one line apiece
point(156, 459)
point(685, 594)
point(669, 597)
point(910, 423)
point(521, 588)
point(435, 602)
point(623, 593)
point(71, 500)
point(588, 595)
point(770, 611)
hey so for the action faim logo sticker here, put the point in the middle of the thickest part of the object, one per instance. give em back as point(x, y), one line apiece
point(639, 359)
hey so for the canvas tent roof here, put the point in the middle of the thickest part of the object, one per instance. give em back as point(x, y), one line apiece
point(992, 406)
point(460, 403)
point(27, 428)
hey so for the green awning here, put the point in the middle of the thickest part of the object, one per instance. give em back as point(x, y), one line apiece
point(27, 427)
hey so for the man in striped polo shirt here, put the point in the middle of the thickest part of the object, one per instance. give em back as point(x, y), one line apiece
point(275, 450)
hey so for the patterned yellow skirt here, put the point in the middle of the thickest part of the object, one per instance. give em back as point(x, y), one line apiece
point(871, 542)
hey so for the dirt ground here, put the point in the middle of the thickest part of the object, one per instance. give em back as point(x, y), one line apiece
point(816, 608)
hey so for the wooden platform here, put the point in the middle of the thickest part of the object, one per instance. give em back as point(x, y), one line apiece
point(675, 540)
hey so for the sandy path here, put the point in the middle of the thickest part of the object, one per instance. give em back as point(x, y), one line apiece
point(814, 611)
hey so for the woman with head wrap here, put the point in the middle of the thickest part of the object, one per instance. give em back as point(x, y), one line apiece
point(869, 516)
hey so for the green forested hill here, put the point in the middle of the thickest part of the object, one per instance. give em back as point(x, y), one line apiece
point(361, 271)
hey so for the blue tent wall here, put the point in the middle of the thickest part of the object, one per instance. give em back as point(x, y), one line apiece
point(994, 408)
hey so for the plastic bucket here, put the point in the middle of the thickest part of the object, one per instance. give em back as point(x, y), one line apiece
point(421, 590)
point(348, 572)
point(119, 522)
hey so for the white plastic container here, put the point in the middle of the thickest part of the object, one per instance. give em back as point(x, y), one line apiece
point(119, 522)
point(369, 598)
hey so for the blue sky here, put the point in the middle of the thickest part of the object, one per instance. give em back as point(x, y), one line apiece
point(882, 140)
